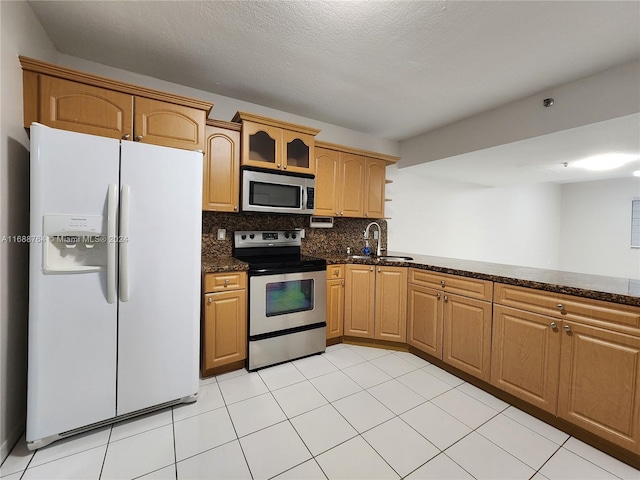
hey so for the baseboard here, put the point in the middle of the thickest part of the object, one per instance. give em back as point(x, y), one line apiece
point(12, 439)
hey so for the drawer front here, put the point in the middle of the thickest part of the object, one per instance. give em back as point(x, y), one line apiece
point(221, 282)
point(569, 307)
point(335, 271)
point(466, 286)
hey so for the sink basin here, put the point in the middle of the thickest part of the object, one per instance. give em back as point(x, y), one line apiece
point(383, 258)
point(393, 258)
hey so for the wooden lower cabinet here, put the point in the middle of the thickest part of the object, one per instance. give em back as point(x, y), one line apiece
point(359, 300)
point(375, 302)
point(335, 301)
point(391, 304)
point(424, 319)
point(525, 356)
point(599, 387)
point(224, 321)
point(467, 335)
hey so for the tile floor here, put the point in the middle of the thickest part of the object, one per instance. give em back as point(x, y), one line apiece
point(353, 412)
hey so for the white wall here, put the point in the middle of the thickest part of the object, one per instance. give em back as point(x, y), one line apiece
point(224, 108)
point(513, 225)
point(21, 34)
point(595, 235)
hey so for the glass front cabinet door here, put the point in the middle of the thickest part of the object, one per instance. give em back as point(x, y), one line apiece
point(276, 145)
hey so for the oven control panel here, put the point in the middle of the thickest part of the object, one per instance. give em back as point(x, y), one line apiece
point(276, 238)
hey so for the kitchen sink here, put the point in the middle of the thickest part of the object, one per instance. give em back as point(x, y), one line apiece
point(382, 258)
point(394, 258)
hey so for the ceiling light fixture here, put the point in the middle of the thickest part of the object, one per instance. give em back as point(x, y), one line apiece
point(607, 161)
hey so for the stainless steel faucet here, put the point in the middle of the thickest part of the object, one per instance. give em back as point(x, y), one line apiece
point(366, 235)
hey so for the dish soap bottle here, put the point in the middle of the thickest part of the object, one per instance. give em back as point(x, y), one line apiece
point(367, 249)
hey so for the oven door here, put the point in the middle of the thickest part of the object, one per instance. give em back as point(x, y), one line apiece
point(286, 300)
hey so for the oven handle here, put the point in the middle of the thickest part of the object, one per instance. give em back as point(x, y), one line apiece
point(278, 270)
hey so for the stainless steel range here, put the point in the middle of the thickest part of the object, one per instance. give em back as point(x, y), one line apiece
point(287, 297)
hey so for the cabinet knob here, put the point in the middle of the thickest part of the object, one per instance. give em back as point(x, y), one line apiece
point(235, 208)
point(438, 296)
point(567, 328)
point(336, 273)
point(446, 299)
point(337, 213)
point(371, 269)
point(278, 165)
point(226, 283)
point(366, 214)
point(560, 306)
point(126, 136)
point(442, 282)
point(209, 300)
point(138, 138)
point(341, 213)
point(285, 167)
point(378, 269)
point(553, 325)
point(342, 283)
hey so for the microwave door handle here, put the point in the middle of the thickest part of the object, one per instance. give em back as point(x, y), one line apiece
point(304, 197)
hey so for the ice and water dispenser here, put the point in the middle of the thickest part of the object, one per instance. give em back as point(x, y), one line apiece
point(73, 244)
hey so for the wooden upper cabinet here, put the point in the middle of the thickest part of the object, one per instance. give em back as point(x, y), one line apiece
point(352, 176)
point(276, 145)
point(221, 168)
point(350, 182)
point(83, 108)
point(162, 123)
point(327, 182)
point(600, 383)
point(72, 100)
point(374, 188)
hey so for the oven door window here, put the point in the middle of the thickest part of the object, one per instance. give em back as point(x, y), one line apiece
point(289, 297)
point(274, 195)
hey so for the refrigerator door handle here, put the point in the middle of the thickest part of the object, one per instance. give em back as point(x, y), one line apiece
point(124, 244)
point(112, 210)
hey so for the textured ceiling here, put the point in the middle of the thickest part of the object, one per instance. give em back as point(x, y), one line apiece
point(387, 68)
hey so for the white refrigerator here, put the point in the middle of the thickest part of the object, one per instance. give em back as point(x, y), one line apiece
point(114, 281)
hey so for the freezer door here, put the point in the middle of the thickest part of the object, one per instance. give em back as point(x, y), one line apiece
point(159, 330)
point(72, 327)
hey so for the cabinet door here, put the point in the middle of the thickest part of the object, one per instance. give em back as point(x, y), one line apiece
point(352, 175)
point(359, 300)
point(335, 308)
point(424, 318)
point(298, 152)
point(261, 145)
point(467, 335)
point(327, 182)
point(600, 383)
point(391, 304)
point(374, 188)
point(221, 172)
point(224, 329)
point(167, 124)
point(83, 108)
point(525, 356)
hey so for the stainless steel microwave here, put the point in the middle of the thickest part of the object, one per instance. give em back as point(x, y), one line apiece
point(268, 191)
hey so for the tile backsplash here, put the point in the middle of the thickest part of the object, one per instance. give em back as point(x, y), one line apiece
point(346, 232)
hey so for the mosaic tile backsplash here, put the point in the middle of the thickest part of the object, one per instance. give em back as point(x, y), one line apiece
point(346, 232)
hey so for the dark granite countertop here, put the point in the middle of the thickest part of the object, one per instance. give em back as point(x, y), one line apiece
point(611, 289)
point(222, 264)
